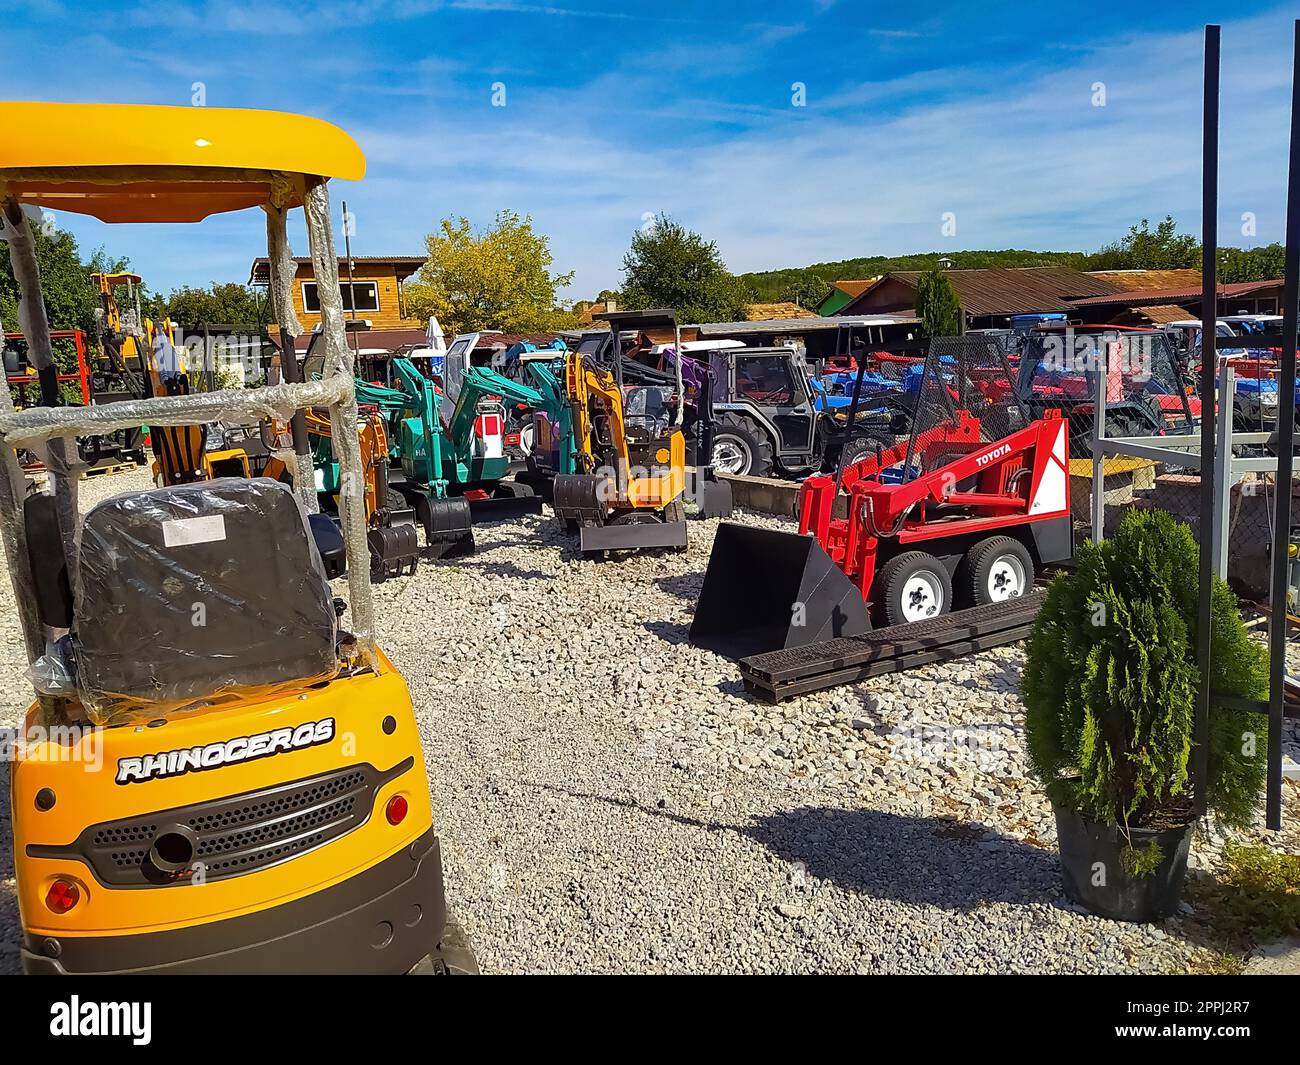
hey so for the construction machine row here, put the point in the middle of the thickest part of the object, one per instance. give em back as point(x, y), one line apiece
point(266, 806)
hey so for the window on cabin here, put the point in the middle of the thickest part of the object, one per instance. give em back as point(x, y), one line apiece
point(364, 293)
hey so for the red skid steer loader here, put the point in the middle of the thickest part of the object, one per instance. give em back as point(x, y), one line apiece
point(961, 512)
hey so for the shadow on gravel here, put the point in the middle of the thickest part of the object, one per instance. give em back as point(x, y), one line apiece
point(10, 926)
point(683, 585)
point(930, 861)
point(668, 631)
point(503, 569)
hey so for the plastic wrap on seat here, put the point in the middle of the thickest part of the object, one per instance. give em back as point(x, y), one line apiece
point(198, 592)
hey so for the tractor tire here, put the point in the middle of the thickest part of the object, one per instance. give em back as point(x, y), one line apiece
point(857, 450)
point(997, 569)
point(739, 449)
point(512, 490)
point(913, 586)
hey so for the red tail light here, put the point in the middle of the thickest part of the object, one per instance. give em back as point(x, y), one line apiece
point(62, 896)
point(396, 810)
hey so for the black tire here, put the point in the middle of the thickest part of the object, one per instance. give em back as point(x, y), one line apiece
point(745, 450)
point(997, 569)
point(901, 595)
point(512, 490)
point(857, 450)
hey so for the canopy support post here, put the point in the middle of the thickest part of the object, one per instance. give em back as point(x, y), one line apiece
point(35, 325)
point(282, 270)
point(343, 418)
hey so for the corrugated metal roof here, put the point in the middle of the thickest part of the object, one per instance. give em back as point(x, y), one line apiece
point(1007, 290)
point(796, 326)
point(1160, 313)
point(771, 311)
point(1138, 280)
point(1171, 295)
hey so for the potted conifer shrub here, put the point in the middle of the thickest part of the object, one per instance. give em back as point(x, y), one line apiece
point(1110, 693)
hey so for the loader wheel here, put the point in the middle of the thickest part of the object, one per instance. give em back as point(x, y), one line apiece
point(997, 569)
point(740, 450)
point(914, 586)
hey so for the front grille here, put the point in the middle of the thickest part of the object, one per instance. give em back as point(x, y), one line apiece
point(234, 835)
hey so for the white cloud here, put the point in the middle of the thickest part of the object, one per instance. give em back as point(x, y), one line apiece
point(1014, 149)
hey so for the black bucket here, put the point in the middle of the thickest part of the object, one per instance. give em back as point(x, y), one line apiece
point(1092, 865)
point(766, 591)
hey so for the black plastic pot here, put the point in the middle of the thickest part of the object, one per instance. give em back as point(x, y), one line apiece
point(1094, 872)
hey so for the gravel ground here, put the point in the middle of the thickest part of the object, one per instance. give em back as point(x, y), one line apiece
point(610, 801)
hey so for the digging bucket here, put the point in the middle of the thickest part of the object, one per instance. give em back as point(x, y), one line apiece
point(766, 591)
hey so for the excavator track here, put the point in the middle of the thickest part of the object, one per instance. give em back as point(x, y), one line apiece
point(785, 674)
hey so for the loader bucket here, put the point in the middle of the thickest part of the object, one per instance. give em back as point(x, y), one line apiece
point(510, 500)
point(448, 528)
point(767, 591)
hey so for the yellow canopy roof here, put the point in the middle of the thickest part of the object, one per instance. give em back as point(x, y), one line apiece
point(145, 163)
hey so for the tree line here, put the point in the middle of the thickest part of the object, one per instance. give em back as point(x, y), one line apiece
point(502, 276)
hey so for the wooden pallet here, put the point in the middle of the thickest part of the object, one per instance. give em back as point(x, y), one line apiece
point(799, 670)
point(110, 468)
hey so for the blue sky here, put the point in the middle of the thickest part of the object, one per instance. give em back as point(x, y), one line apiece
point(615, 111)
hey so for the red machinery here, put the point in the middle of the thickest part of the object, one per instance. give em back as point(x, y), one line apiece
point(22, 378)
point(962, 513)
point(972, 492)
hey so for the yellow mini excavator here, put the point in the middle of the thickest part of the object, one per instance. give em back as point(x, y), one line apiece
point(629, 448)
point(216, 776)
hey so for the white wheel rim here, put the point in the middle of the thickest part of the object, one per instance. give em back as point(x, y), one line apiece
point(1006, 578)
point(730, 456)
point(526, 439)
point(922, 596)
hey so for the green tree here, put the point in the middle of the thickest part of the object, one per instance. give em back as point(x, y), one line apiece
point(807, 290)
point(498, 278)
point(1146, 249)
point(668, 265)
point(70, 298)
point(229, 303)
point(1265, 263)
point(937, 305)
point(1110, 683)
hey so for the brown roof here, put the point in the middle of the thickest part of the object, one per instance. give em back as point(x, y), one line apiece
point(766, 312)
point(1004, 290)
point(855, 288)
point(1159, 313)
point(382, 339)
point(260, 272)
point(1139, 280)
point(1172, 295)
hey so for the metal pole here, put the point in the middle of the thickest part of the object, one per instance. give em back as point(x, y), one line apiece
point(1098, 438)
point(1223, 475)
point(352, 289)
point(852, 424)
point(1286, 445)
point(1209, 315)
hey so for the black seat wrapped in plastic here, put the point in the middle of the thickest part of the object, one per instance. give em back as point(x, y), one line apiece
point(198, 591)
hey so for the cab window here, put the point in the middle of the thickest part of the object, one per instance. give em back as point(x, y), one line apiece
point(765, 379)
